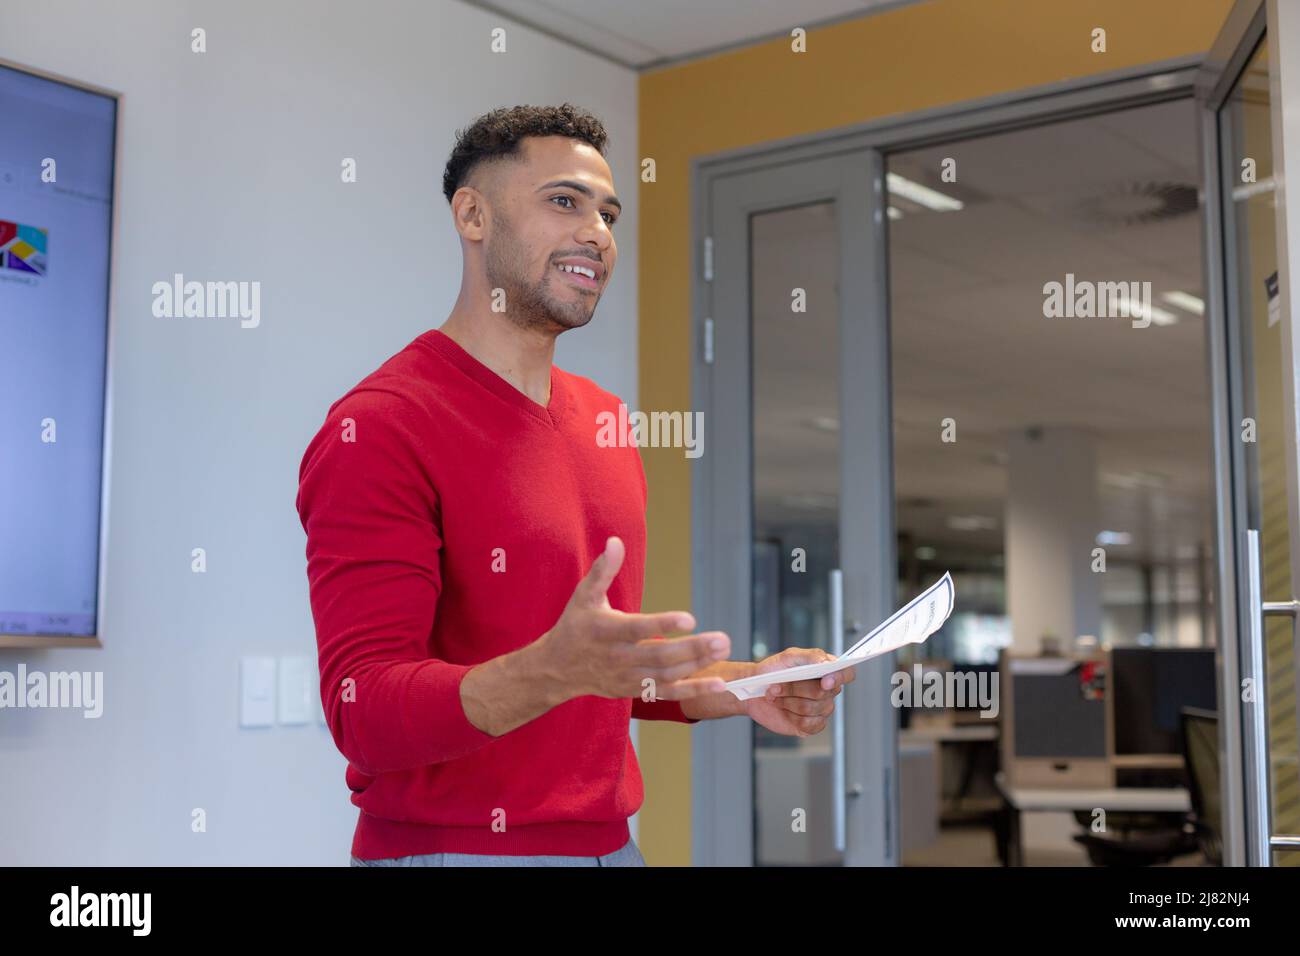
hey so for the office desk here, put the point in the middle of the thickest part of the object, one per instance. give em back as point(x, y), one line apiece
point(959, 733)
point(1017, 800)
point(969, 738)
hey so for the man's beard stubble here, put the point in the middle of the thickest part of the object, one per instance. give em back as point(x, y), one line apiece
point(529, 304)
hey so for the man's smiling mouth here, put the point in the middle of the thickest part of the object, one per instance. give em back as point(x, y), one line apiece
point(581, 276)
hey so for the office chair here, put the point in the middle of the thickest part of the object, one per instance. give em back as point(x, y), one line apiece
point(1159, 838)
point(1162, 837)
point(1201, 752)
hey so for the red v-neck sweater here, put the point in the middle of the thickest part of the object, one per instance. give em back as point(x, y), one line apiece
point(449, 518)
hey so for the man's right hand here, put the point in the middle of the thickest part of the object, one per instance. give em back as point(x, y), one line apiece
point(594, 649)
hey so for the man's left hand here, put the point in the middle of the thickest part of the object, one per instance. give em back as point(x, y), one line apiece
point(798, 708)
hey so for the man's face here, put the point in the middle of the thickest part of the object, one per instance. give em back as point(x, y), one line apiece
point(553, 208)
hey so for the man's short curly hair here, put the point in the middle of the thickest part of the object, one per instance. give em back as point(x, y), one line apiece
point(496, 135)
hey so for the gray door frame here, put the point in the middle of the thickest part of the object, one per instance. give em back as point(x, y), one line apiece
point(1248, 837)
point(1222, 65)
point(721, 752)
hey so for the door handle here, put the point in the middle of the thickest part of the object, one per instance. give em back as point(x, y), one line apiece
point(838, 797)
point(1259, 838)
point(840, 790)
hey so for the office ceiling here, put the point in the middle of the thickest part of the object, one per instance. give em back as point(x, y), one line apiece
point(645, 35)
point(969, 339)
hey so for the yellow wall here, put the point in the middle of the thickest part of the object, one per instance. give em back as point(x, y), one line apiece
point(917, 57)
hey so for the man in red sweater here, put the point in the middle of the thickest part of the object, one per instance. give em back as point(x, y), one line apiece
point(476, 555)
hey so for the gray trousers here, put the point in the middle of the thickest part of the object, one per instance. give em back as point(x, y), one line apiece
point(629, 855)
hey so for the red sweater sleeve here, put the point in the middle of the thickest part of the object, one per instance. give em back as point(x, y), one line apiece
point(660, 710)
point(373, 542)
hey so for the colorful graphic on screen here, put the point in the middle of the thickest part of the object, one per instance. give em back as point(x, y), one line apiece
point(22, 248)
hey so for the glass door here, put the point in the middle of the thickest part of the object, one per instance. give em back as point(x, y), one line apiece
point(794, 524)
point(1259, 513)
point(795, 509)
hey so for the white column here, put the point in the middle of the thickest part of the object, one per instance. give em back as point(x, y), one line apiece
point(1051, 529)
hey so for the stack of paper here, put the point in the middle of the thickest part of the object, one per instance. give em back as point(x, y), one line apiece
point(910, 624)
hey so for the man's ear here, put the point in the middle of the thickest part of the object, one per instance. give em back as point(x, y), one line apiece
point(468, 212)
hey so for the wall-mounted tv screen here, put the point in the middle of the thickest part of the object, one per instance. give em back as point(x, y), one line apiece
point(56, 211)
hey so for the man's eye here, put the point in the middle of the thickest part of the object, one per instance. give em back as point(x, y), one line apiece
point(609, 216)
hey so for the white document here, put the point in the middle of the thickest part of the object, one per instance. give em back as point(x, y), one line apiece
point(910, 624)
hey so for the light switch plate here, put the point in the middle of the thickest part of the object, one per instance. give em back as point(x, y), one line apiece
point(296, 690)
point(257, 691)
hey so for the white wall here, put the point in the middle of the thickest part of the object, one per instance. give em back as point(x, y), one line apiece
point(230, 171)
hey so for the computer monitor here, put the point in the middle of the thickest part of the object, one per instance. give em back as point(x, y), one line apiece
point(57, 153)
point(1150, 686)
